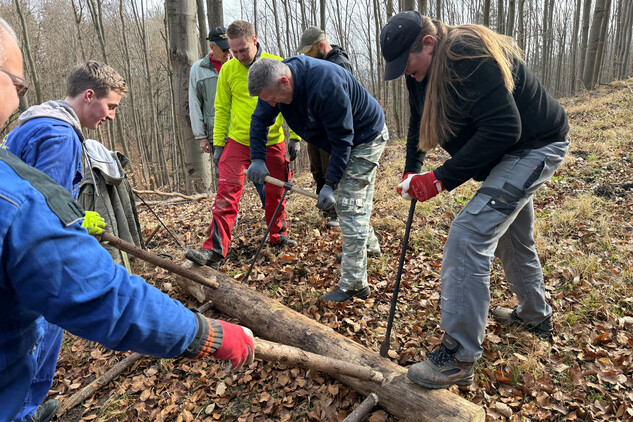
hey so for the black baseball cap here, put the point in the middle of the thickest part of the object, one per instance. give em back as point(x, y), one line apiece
point(218, 35)
point(396, 39)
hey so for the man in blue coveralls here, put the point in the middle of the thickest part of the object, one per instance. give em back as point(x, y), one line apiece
point(326, 106)
point(52, 268)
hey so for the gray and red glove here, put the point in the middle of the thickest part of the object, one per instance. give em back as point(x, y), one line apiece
point(223, 341)
point(420, 186)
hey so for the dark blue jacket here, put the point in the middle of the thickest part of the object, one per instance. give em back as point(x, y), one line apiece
point(51, 267)
point(329, 109)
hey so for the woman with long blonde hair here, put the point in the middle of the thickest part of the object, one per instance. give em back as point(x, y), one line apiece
point(471, 94)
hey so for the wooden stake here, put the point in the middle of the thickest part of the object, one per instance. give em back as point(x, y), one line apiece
point(362, 411)
point(293, 356)
point(293, 188)
point(157, 260)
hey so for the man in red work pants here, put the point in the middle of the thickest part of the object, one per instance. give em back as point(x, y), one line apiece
point(231, 133)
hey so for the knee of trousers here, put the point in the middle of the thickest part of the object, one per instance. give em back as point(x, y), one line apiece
point(470, 251)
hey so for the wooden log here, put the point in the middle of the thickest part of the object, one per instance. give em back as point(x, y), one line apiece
point(157, 260)
point(294, 356)
point(396, 394)
point(362, 411)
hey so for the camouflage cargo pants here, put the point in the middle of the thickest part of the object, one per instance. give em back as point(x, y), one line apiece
point(354, 200)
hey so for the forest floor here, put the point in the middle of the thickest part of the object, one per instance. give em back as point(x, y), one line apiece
point(584, 235)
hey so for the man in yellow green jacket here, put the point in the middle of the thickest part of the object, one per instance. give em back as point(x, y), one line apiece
point(233, 110)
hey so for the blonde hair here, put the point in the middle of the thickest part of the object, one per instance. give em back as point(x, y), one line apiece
point(97, 76)
point(457, 43)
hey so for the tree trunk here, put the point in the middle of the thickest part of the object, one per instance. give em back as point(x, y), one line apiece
point(627, 40)
point(486, 13)
point(78, 17)
point(215, 13)
point(408, 5)
point(422, 8)
point(202, 28)
point(500, 17)
point(273, 321)
point(592, 45)
point(277, 29)
point(27, 52)
point(182, 41)
point(586, 10)
point(521, 26)
point(574, 46)
point(322, 11)
point(510, 22)
point(601, 43)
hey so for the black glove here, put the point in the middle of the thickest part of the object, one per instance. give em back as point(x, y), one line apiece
point(326, 198)
point(293, 149)
point(257, 171)
point(217, 153)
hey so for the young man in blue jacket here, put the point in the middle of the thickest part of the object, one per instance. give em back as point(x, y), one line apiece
point(49, 138)
point(326, 106)
point(50, 267)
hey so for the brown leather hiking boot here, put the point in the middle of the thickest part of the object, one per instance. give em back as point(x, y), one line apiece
point(441, 369)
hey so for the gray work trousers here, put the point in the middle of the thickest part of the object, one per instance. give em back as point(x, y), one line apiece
point(498, 221)
point(354, 200)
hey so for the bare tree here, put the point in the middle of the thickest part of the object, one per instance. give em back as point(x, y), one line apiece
point(27, 52)
point(215, 13)
point(574, 46)
point(604, 26)
point(584, 36)
point(182, 41)
point(202, 28)
point(593, 43)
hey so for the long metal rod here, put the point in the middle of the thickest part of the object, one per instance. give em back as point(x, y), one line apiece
point(272, 220)
point(156, 260)
point(384, 347)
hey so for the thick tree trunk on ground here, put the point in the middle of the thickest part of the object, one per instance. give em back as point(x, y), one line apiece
point(268, 318)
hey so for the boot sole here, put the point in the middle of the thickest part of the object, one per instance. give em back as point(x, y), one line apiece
point(438, 386)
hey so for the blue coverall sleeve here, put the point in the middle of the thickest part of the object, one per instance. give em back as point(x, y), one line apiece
point(65, 275)
point(57, 155)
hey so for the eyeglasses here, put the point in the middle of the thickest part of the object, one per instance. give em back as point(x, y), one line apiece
point(21, 85)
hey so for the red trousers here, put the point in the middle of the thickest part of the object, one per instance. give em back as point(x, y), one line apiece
point(234, 160)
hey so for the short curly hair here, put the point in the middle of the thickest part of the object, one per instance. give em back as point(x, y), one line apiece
point(97, 76)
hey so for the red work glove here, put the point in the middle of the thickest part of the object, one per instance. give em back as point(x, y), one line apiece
point(420, 186)
point(237, 345)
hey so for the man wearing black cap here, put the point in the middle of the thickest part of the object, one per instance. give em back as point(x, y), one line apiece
point(471, 93)
point(203, 79)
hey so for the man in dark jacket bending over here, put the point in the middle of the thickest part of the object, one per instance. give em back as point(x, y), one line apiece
point(327, 107)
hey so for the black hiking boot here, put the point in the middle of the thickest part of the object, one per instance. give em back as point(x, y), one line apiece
point(205, 257)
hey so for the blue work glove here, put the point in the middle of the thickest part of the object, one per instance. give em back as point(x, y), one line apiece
point(293, 149)
point(93, 222)
point(326, 198)
point(257, 171)
point(217, 153)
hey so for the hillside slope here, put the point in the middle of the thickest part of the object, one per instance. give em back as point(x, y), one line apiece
point(585, 241)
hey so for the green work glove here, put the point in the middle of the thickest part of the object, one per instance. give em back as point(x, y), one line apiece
point(94, 222)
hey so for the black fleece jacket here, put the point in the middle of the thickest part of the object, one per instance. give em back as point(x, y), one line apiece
point(489, 121)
